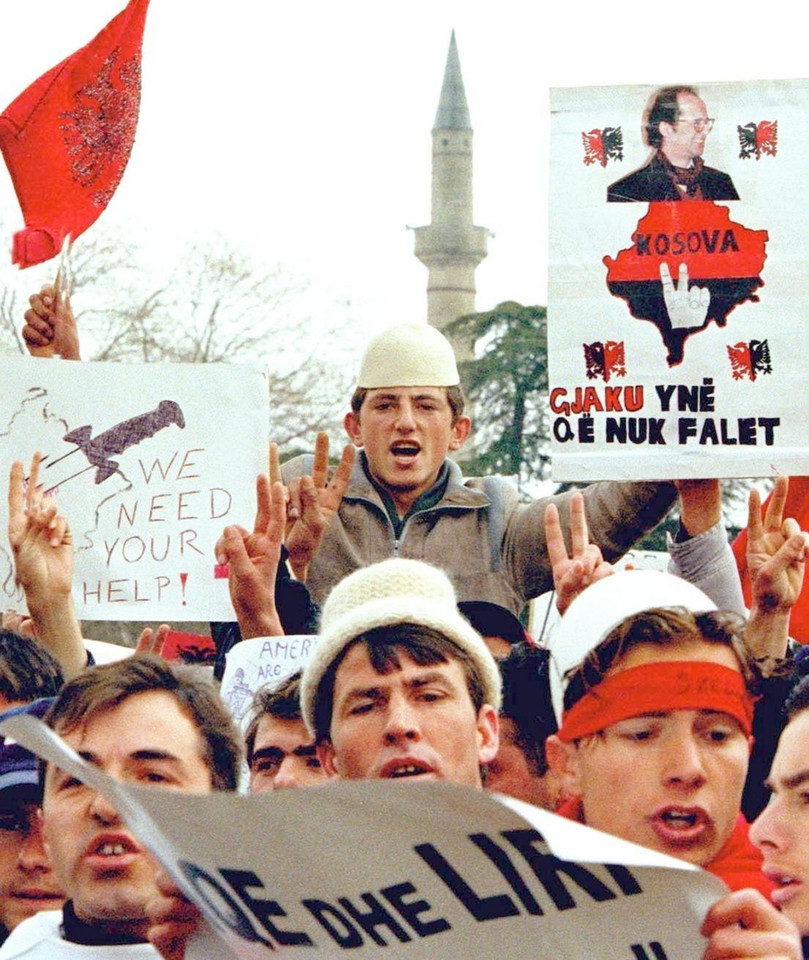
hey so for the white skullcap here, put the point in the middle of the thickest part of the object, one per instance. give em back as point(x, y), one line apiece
point(385, 594)
point(416, 355)
point(605, 604)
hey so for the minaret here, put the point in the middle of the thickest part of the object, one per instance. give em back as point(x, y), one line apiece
point(451, 246)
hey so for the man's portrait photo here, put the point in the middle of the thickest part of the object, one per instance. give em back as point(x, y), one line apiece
point(676, 126)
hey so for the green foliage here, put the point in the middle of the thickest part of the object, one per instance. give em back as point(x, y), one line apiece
point(507, 385)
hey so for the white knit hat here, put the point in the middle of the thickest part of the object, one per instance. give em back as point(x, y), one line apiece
point(384, 594)
point(605, 604)
point(416, 355)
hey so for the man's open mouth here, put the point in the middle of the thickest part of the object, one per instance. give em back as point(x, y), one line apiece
point(396, 770)
point(679, 820)
point(403, 449)
point(680, 825)
point(110, 849)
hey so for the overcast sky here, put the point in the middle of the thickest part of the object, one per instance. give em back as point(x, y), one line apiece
point(300, 132)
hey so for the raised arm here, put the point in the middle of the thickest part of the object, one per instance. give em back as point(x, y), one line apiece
point(42, 546)
point(253, 560)
point(574, 571)
point(700, 553)
point(776, 555)
point(313, 502)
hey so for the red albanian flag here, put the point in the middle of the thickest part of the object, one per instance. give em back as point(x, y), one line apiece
point(797, 506)
point(66, 139)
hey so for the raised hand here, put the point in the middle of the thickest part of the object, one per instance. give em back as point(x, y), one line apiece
point(776, 557)
point(42, 547)
point(50, 327)
point(776, 551)
point(572, 572)
point(686, 307)
point(313, 502)
point(253, 560)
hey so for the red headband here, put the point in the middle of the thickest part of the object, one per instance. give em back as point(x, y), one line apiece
point(665, 685)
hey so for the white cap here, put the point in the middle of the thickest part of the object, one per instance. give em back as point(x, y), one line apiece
point(385, 594)
point(416, 355)
point(605, 604)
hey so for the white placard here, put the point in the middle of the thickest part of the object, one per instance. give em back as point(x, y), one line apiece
point(160, 458)
point(637, 390)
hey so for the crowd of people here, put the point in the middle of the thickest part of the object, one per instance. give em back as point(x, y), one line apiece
point(656, 708)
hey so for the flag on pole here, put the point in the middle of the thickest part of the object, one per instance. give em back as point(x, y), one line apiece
point(67, 138)
point(797, 506)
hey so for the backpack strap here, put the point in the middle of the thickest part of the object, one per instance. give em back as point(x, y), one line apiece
point(493, 488)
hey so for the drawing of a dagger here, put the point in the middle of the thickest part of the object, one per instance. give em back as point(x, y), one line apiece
point(99, 450)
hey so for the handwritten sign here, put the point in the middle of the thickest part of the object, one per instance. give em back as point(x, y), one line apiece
point(468, 876)
point(261, 662)
point(676, 324)
point(148, 462)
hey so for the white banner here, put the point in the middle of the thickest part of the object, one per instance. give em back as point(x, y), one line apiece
point(675, 328)
point(421, 870)
point(148, 462)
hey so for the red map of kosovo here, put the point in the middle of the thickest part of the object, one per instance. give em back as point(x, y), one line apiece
point(722, 257)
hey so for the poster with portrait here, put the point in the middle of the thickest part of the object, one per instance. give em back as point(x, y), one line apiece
point(678, 287)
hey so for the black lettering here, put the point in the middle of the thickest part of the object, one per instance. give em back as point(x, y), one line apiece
point(661, 244)
point(678, 244)
point(657, 951)
point(710, 241)
point(642, 241)
point(376, 916)
point(562, 430)
point(481, 908)
point(664, 392)
point(729, 242)
point(624, 878)
point(637, 430)
point(687, 398)
point(726, 438)
point(501, 860)
point(706, 396)
point(548, 868)
point(768, 424)
point(687, 427)
point(747, 431)
point(586, 430)
point(262, 910)
point(616, 429)
point(410, 911)
point(327, 916)
point(708, 432)
point(225, 908)
point(656, 425)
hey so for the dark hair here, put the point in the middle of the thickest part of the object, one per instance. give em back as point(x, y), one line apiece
point(527, 702)
point(492, 620)
point(283, 702)
point(662, 626)
point(27, 670)
point(422, 644)
point(455, 398)
point(663, 108)
point(99, 689)
point(798, 699)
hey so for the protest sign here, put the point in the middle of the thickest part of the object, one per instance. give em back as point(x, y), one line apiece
point(148, 462)
point(428, 869)
point(261, 662)
point(675, 325)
